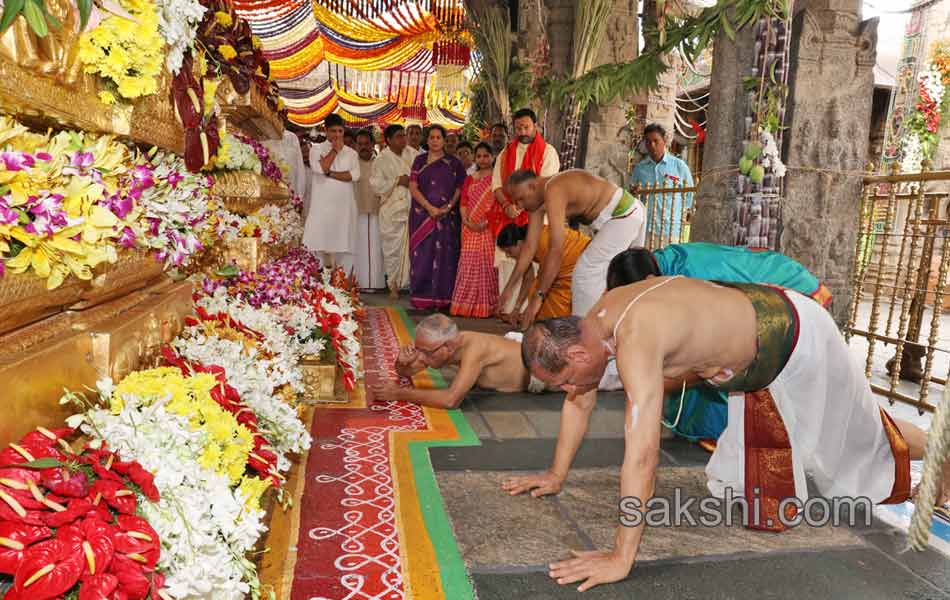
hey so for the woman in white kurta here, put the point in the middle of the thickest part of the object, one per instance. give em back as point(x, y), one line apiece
point(331, 227)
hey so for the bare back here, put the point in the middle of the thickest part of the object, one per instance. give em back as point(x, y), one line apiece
point(701, 328)
point(582, 195)
point(499, 361)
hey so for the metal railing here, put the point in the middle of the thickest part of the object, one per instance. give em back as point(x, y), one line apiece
point(669, 211)
point(899, 293)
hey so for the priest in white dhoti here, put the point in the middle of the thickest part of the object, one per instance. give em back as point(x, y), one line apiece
point(390, 181)
point(331, 226)
point(369, 252)
point(286, 153)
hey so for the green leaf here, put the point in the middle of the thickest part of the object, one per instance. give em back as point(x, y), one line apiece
point(228, 271)
point(35, 18)
point(727, 27)
point(41, 463)
point(50, 18)
point(11, 8)
point(85, 9)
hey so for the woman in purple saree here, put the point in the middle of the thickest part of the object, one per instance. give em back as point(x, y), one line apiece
point(434, 224)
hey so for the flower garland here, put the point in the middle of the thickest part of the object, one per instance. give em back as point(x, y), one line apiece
point(921, 137)
point(68, 522)
point(178, 23)
point(296, 279)
point(236, 155)
point(206, 526)
point(128, 52)
point(58, 209)
point(228, 445)
point(177, 209)
point(272, 224)
point(269, 169)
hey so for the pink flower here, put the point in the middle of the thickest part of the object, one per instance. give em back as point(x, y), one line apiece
point(17, 161)
point(127, 239)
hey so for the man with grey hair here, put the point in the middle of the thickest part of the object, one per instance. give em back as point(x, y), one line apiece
point(808, 405)
point(489, 361)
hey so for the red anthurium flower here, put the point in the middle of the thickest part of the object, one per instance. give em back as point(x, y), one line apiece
point(48, 569)
point(46, 437)
point(75, 510)
point(16, 454)
point(137, 541)
point(132, 579)
point(98, 551)
point(14, 539)
point(100, 587)
point(101, 462)
point(116, 495)
point(66, 482)
point(158, 582)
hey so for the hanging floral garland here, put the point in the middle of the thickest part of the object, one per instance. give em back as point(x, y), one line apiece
point(933, 82)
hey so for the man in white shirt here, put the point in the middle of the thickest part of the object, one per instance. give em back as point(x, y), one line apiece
point(390, 181)
point(369, 253)
point(331, 226)
point(287, 151)
point(527, 151)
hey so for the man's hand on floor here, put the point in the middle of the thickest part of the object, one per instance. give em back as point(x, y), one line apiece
point(539, 485)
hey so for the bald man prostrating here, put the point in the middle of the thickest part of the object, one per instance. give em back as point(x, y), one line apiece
point(617, 218)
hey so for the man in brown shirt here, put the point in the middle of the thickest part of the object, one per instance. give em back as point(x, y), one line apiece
point(369, 249)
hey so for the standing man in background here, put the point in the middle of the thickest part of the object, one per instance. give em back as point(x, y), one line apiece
point(369, 252)
point(390, 181)
point(414, 137)
point(527, 151)
point(499, 138)
point(330, 229)
point(662, 169)
point(287, 151)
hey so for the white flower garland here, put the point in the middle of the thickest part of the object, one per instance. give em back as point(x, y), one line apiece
point(205, 526)
point(178, 22)
point(255, 380)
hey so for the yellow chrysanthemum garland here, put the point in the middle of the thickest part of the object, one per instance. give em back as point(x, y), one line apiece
point(129, 53)
point(229, 442)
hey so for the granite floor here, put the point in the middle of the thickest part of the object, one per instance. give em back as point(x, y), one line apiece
point(507, 542)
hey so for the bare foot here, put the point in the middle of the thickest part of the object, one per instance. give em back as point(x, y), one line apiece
point(394, 294)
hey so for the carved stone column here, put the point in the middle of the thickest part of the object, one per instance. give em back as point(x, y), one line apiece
point(716, 198)
point(832, 84)
point(607, 139)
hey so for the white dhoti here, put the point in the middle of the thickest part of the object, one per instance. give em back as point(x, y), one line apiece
point(613, 235)
point(834, 424)
point(369, 253)
point(394, 237)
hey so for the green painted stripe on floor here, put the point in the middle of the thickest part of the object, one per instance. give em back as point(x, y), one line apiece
point(455, 581)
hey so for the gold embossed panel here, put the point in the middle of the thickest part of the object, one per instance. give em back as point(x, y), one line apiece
point(43, 84)
point(133, 271)
point(25, 299)
point(134, 341)
point(248, 113)
point(244, 192)
point(34, 380)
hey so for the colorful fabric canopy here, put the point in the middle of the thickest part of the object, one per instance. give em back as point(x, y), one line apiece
point(371, 61)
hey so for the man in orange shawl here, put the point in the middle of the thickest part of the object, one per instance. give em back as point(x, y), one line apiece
point(527, 151)
point(557, 302)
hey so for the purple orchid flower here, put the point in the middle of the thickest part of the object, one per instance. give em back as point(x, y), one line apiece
point(17, 161)
point(128, 237)
point(8, 216)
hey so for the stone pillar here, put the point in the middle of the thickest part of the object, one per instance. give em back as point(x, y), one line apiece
point(832, 87)
point(715, 200)
point(606, 141)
